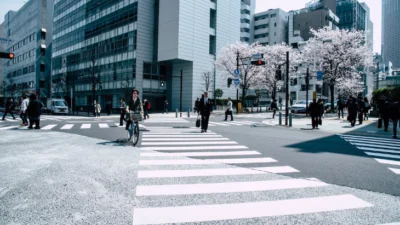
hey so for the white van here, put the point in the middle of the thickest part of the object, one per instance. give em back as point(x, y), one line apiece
point(56, 106)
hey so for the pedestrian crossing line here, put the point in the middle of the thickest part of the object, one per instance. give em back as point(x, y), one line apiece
point(86, 126)
point(376, 146)
point(378, 150)
point(189, 143)
point(202, 213)
point(200, 148)
point(389, 162)
point(49, 127)
point(277, 169)
point(8, 128)
point(199, 154)
point(243, 122)
point(103, 125)
point(67, 127)
point(396, 171)
point(150, 135)
point(196, 173)
point(245, 160)
point(373, 144)
point(390, 223)
point(228, 187)
point(220, 124)
point(382, 155)
point(185, 139)
point(368, 138)
point(205, 162)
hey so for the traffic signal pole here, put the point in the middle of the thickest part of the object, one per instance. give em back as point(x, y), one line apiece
point(287, 89)
point(237, 89)
point(307, 84)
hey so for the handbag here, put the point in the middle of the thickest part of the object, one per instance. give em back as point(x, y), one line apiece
point(379, 123)
point(198, 122)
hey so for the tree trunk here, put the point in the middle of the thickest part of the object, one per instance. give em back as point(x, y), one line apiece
point(243, 96)
point(332, 87)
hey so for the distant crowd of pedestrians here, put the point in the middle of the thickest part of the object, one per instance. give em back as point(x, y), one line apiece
point(389, 111)
point(29, 109)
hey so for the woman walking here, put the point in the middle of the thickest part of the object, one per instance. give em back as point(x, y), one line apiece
point(98, 110)
point(24, 107)
point(367, 107)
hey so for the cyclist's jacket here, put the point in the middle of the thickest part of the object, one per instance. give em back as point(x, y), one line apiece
point(136, 107)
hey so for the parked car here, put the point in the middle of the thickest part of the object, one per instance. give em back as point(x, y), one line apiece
point(327, 105)
point(300, 106)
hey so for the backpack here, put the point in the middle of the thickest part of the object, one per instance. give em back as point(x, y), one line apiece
point(148, 105)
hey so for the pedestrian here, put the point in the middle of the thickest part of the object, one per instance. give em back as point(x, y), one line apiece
point(205, 107)
point(386, 114)
point(122, 108)
point(273, 107)
point(34, 110)
point(146, 109)
point(94, 108)
point(340, 108)
point(367, 107)
point(196, 105)
point(24, 107)
point(165, 107)
point(361, 108)
point(315, 113)
point(353, 110)
point(321, 111)
point(395, 115)
point(10, 106)
point(98, 110)
point(108, 107)
point(229, 109)
point(280, 102)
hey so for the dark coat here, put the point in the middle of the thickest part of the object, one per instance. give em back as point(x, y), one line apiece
point(274, 106)
point(394, 111)
point(386, 110)
point(340, 104)
point(136, 107)
point(315, 109)
point(34, 109)
point(353, 108)
point(205, 109)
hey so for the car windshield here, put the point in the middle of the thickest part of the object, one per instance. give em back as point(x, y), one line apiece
point(60, 103)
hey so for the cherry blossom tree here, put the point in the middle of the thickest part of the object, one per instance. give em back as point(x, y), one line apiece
point(350, 86)
point(226, 62)
point(341, 58)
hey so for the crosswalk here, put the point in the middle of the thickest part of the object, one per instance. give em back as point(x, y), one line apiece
point(188, 183)
point(47, 118)
point(383, 150)
point(64, 127)
point(232, 123)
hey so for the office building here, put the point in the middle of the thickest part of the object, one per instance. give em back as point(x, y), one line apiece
point(369, 25)
point(29, 29)
point(391, 32)
point(270, 27)
point(161, 48)
point(2, 48)
point(352, 15)
point(248, 8)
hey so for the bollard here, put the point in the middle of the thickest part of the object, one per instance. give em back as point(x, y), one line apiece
point(290, 119)
point(188, 113)
point(176, 113)
point(280, 119)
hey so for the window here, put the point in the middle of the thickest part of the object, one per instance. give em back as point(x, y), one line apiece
point(275, 24)
point(42, 67)
point(213, 18)
point(212, 45)
point(273, 15)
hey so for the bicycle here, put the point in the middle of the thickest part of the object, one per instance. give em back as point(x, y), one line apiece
point(133, 130)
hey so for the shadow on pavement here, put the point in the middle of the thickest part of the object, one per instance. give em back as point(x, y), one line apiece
point(117, 143)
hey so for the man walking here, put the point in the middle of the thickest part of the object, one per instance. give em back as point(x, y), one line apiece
point(314, 113)
point(146, 108)
point(205, 108)
point(122, 108)
point(229, 110)
point(273, 107)
point(24, 107)
point(340, 108)
point(165, 107)
point(196, 105)
point(9, 108)
point(353, 110)
point(34, 110)
point(395, 115)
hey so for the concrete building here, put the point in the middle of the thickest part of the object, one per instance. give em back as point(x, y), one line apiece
point(369, 25)
point(352, 15)
point(142, 44)
point(391, 32)
point(2, 48)
point(30, 31)
point(248, 8)
point(270, 27)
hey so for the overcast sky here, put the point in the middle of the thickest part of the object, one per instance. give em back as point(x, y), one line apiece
point(262, 5)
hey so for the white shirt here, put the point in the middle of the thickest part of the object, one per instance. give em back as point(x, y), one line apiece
point(205, 101)
point(24, 105)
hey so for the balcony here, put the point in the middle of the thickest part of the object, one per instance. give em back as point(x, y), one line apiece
point(262, 40)
point(245, 6)
point(245, 16)
point(245, 25)
point(244, 34)
point(261, 31)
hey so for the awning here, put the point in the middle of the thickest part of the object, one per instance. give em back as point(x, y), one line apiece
point(44, 30)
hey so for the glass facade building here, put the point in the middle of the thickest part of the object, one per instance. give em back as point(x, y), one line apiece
point(352, 15)
point(391, 32)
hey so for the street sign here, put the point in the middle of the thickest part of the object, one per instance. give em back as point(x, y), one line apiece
point(257, 56)
point(236, 72)
point(236, 82)
point(320, 74)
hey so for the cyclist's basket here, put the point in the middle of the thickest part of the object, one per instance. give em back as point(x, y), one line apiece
point(134, 116)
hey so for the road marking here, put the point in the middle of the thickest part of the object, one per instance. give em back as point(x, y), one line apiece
point(368, 138)
point(86, 126)
point(390, 162)
point(191, 154)
point(185, 139)
point(203, 148)
point(378, 146)
point(231, 187)
point(67, 127)
point(176, 162)
point(377, 150)
point(103, 125)
point(190, 143)
point(49, 127)
point(197, 173)
point(245, 160)
point(202, 213)
point(367, 143)
point(221, 124)
point(382, 155)
point(396, 171)
point(7, 128)
point(180, 135)
point(277, 169)
point(390, 223)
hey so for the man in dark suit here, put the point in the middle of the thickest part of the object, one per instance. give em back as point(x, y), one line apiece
point(205, 109)
point(315, 112)
point(394, 114)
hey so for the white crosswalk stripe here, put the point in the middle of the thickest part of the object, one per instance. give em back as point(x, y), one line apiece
point(103, 125)
point(67, 127)
point(232, 123)
point(49, 127)
point(86, 126)
point(384, 150)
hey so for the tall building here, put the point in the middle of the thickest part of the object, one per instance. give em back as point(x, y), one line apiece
point(352, 15)
point(1, 61)
point(369, 25)
point(162, 48)
point(391, 32)
point(270, 27)
point(316, 14)
point(248, 8)
point(29, 29)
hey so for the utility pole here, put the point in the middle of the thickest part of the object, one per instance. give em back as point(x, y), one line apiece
point(307, 84)
point(377, 76)
point(237, 89)
point(181, 93)
point(287, 89)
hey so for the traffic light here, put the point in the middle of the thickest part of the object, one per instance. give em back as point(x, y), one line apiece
point(6, 55)
point(258, 62)
point(229, 82)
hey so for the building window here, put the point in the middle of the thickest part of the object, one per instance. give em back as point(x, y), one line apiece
point(213, 45)
point(42, 67)
point(213, 18)
point(273, 15)
point(275, 24)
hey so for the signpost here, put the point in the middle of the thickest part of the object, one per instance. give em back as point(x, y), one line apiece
point(236, 82)
point(236, 72)
point(320, 74)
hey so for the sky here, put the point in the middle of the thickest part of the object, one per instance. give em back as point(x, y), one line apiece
point(261, 5)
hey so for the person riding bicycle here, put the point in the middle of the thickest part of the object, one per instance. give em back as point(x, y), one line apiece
point(134, 105)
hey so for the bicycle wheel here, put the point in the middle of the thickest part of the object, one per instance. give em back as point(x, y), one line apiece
point(136, 134)
point(130, 132)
